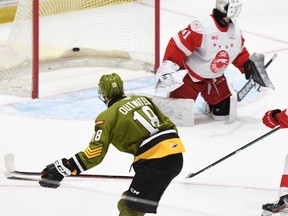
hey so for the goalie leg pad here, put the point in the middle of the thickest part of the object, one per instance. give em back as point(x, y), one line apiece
point(233, 109)
point(179, 110)
point(233, 104)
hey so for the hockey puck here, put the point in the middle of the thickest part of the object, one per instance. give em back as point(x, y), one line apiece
point(76, 49)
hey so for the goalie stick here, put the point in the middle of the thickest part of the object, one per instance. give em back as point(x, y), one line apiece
point(232, 153)
point(12, 173)
point(250, 84)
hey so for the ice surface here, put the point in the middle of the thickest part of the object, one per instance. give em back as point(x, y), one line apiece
point(59, 125)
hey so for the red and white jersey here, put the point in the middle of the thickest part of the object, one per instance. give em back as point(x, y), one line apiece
point(205, 49)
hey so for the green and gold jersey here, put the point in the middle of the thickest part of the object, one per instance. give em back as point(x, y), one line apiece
point(127, 124)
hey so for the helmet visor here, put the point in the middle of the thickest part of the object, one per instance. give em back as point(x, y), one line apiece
point(101, 96)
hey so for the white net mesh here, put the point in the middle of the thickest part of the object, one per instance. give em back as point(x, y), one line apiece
point(114, 33)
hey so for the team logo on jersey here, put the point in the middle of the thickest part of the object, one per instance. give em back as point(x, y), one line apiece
point(134, 191)
point(99, 122)
point(214, 37)
point(220, 61)
point(174, 145)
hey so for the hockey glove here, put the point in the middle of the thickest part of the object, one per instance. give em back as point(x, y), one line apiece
point(255, 69)
point(248, 68)
point(270, 119)
point(54, 173)
point(250, 71)
point(283, 118)
point(169, 77)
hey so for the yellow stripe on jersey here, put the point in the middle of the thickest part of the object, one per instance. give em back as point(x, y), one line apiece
point(90, 153)
point(162, 149)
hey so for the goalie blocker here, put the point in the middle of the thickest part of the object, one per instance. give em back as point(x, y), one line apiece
point(259, 73)
point(256, 74)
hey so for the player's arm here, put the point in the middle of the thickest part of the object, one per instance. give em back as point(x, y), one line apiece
point(93, 155)
point(171, 72)
point(242, 61)
point(182, 45)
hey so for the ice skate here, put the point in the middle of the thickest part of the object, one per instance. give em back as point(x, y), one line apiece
point(280, 207)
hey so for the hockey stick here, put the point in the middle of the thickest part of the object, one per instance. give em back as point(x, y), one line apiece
point(12, 173)
point(233, 153)
point(250, 84)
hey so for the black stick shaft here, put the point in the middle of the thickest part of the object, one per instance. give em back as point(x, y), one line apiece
point(78, 176)
point(233, 153)
point(270, 61)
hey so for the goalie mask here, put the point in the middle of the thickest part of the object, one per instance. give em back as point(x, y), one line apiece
point(232, 8)
point(110, 86)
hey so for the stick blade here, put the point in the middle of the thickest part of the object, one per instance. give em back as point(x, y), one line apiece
point(190, 175)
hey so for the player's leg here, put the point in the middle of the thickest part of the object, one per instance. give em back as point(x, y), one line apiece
point(280, 206)
point(124, 210)
point(187, 90)
point(151, 179)
point(219, 99)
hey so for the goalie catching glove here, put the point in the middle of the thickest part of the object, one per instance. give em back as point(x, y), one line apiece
point(169, 77)
point(273, 118)
point(54, 173)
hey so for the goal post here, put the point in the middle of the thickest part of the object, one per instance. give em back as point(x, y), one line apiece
point(53, 34)
point(35, 48)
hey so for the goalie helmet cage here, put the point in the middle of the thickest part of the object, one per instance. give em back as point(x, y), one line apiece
point(53, 34)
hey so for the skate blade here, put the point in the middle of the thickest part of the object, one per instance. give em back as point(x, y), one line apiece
point(266, 213)
point(284, 212)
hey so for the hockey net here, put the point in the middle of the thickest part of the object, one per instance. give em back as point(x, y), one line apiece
point(8, 3)
point(72, 33)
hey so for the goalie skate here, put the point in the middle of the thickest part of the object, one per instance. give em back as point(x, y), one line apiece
point(228, 118)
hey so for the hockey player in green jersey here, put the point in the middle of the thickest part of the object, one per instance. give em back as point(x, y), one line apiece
point(133, 125)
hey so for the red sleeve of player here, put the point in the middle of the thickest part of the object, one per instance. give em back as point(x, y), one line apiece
point(182, 45)
point(282, 118)
point(241, 58)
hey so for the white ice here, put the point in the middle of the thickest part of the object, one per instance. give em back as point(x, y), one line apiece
point(60, 124)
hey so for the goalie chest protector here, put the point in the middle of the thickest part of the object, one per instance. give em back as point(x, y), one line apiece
point(219, 47)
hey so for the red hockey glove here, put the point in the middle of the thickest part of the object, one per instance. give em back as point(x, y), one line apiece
point(269, 119)
point(282, 119)
point(54, 173)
